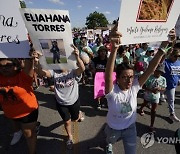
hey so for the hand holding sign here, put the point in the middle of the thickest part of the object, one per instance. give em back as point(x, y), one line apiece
point(76, 51)
point(165, 44)
point(115, 36)
point(35, 54)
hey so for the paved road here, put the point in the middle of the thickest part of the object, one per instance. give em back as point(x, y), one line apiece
point(88, 135)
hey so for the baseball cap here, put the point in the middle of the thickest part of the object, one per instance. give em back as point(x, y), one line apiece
point(150, 49)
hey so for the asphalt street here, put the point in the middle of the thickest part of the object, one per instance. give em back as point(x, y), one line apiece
point(88, 135)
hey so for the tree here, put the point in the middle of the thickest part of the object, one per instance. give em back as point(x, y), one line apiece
point(23, 4)
point(96, 19)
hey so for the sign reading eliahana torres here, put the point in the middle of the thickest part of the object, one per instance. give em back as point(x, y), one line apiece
point(13, 34)
point(50, 32)
point(147, 20)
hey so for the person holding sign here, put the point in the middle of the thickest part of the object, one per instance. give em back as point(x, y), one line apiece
point(18, 100)
point(122, 96)
point(66, 92)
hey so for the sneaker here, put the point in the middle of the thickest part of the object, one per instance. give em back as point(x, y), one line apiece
point(69, 144)
point(141, 112)
point(81, 116)
point(109, 149)
point(99, 106)
point(174, 118)
point(16, 137)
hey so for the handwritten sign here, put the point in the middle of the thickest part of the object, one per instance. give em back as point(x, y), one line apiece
point(147, 21)
point(50, 32)
point(99, 84)
point(13, 34)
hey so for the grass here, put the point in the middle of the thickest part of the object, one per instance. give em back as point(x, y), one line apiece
point(49, 60)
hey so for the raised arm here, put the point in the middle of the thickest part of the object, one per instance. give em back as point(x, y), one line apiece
point(164, 48)
point(115, 40)
point(36, 66)
point(81, 67)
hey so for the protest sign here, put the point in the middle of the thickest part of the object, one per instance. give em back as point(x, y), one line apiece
point(50, 32)
point(106, 32)
point(147, 20)
point(177, 27)
point(99, 84)
point(13, 35)
point(97, 31)
point(90, 34)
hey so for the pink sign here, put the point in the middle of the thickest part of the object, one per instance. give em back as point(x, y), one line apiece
point(99, 84)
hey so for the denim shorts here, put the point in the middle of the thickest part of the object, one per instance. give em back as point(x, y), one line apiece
point(128, 136)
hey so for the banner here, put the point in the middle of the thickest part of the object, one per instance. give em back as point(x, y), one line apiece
point(147, 20)
point(50, 32)
point(99, 84)
point(13, 35)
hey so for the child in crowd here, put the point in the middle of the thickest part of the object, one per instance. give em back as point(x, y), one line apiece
point(153, 86)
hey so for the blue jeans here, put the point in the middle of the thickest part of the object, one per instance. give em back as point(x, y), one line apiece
point(170, 99)
point(127, 135)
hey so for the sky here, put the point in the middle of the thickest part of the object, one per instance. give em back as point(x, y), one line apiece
point(79, 9)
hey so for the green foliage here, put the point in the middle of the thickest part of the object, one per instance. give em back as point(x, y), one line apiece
point(23, 4)
point(96, 19)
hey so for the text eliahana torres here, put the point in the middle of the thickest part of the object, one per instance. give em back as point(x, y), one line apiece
point(50, 18)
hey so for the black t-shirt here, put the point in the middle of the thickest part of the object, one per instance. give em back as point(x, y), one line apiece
point(99, 64)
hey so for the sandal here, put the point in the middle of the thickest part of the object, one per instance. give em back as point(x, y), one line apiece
point(141, 112)
point(81, 116)
point(69, 144)
point(152, 129)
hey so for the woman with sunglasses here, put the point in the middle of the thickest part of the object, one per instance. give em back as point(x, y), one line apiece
point(122, 97)
point(18, 100)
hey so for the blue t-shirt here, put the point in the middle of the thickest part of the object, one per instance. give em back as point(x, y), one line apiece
point(172, 74)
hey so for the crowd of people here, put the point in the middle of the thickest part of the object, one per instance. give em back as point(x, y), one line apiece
point(137, 66)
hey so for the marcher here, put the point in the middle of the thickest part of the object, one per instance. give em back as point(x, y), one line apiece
point(18, 100)
point(172, 75)
point(66, 90)
point(153, 86)
point(122, 97)
point(98, 64)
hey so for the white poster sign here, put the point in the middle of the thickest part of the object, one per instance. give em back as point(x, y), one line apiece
point(90, 34)
point(178, 27)
point(98, 31)
point(106, 32)
point(13, 34)
point(147, 20)
point(50, 32)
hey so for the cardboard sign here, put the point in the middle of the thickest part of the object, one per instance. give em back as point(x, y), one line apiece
point(99, 84)
point(13, 35)
point(177, 27)
point(50, 32)
point(147, 20)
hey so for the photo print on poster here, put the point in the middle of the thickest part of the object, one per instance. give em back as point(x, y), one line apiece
point(53, 50)
point(154, 10)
